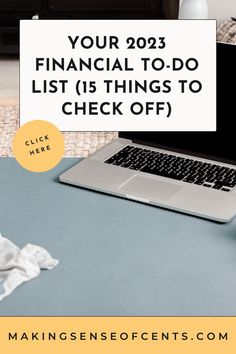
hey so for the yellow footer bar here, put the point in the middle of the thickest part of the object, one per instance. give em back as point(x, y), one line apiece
point(113, 335)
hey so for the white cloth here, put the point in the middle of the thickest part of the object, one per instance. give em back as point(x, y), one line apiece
point(18, 266)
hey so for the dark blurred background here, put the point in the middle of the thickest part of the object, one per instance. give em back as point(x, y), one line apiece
point(12, 11)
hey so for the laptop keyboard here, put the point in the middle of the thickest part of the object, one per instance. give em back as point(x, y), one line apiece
point(175, 167)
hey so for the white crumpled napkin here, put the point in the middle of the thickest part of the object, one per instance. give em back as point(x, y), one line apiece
point(18, 266)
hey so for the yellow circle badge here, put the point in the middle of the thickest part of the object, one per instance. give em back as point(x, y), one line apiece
point(38, 146)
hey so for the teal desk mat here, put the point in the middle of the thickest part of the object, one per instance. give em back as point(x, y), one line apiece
point(117, 257)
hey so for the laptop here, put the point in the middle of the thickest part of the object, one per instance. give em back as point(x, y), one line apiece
point(189, 172)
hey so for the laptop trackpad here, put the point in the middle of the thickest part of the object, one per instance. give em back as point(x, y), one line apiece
point(149, 188)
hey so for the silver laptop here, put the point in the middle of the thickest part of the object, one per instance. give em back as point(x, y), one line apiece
point(189, 172)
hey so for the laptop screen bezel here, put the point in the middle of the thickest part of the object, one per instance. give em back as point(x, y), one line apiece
point(141, 137)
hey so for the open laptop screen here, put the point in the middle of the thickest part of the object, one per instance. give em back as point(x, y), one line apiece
point(218, 145)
